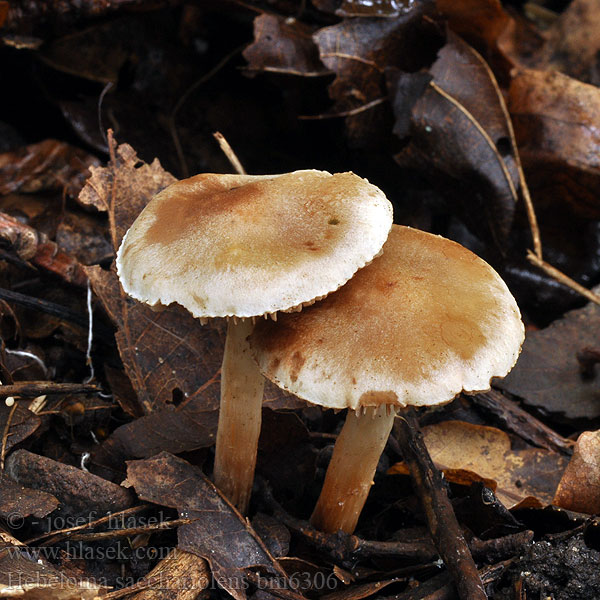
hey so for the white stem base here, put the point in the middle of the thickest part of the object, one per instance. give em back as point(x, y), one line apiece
point(242, 388)
point(350, 473)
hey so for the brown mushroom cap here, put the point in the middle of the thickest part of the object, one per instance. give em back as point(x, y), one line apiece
point(422, 322)
point(243, 245)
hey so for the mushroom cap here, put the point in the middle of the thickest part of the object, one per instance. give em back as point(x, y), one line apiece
point(247, 245)
point(424, 321)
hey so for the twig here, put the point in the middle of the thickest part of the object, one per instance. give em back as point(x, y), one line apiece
point(443, 526)
point(32, 389)
point(345, 113)
point(129, 531)
point(5, 434)
point(562, 278)
point(59, 534)
point(345, 548)
point(229, 153)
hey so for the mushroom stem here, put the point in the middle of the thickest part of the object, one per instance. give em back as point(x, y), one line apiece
point(350, 473)
point(240, 416)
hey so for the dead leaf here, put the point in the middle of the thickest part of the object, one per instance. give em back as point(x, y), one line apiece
point(548, 374)
point(83, 237)
point(47, 165)
point(358, 51)
point(504, 39)
point(80, 493)
point(573, 43)
point(193, 426)
point(460, 132)
point(31, 245)
point(220, 534)
point(486, 451)
point(283, 46)
point(579, 487)
point(124, 187)
point(164, 351)
point(22, 424)
point(555, 119)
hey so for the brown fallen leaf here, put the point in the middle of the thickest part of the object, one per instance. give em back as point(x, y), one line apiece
point(47, 165)
point(34, 246)
point(219, 534)
point(503, 39)
point(555, 119)
point(189, 428)
point(80, 493)
point(572, 43)
point(548, 374)
point(123, 187)
point(283, 46)
point(358, 51)
point(579, 487)
point(165, 351)
point(520, 475)
point(460, 131)
point(22, 424)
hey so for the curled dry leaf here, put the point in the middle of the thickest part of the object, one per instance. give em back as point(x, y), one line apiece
point(47, 165)
point(460, 130)
point(556, 125)
point(506, 41)
point(283, 46)
point(529, 475)
point(572, 43)
point(23, 423)
point(189, 428)
point(549, 374)
point(31, 245)
point(358, 51)
point(219, 533)
point(579, 487)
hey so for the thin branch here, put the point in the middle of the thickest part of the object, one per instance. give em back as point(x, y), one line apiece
point(562, 278)
point(6, 433)
point(33, 389)
point(229, 153)
point(443, 525)
point(58, 534)
point(345, 113)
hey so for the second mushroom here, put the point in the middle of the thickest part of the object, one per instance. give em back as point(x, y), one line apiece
point(423, 322)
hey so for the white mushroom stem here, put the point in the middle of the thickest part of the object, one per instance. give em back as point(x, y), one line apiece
point(242, 388)
point(352, 468)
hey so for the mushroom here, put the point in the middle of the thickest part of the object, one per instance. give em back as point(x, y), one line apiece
point(423, 322)
point(240, 247)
